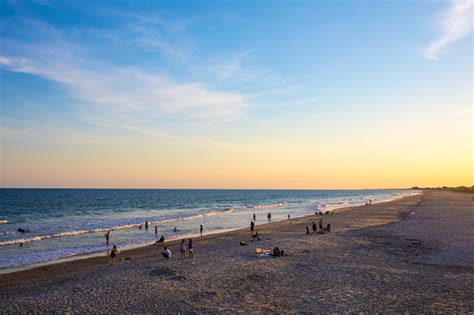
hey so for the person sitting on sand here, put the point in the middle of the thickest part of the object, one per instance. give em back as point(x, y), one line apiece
point(242, 243)
point(314, 227)
point(307, 230)
point(256, 235)
point(328, 228)
point(113, 254)
point(182, 249)
point(161, 240)
point(166, 253)
point(277, 252)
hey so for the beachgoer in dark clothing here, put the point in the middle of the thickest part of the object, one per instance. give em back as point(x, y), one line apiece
point(166, 253)
point(161, 240)
point(252, 226)
point(107, 236)
point(314, 227)
point(200, 229)
point(288, 216)
point(277, 252)
point(269, 216)
point(156, 231)
point(256, 235)
point(254, 217)
point(146, 225)
point(175, 229)
point(307, 230)
point(328, 228)
point(190, 248)
point(113, 254)
point(21, 244)
point(320, 224)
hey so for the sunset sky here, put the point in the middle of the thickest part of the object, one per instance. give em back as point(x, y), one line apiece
point(236, 94)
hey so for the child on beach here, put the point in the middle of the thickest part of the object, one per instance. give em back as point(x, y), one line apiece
point(166, 253)
point(182, 249)
point(190, 248)
point(113, 254)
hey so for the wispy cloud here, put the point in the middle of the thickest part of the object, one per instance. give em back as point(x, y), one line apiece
point(100, 82)
point(456, 23)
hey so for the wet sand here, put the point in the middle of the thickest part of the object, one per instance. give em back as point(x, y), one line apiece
point(410, 255)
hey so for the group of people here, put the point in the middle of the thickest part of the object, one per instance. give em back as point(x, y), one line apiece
point(183, 248)
point(322, 229)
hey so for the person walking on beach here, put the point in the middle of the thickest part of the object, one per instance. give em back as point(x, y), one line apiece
point(320, 224)
point(107, 237)
point(252, 226)
point(200, 229)
point(314, 227)
point(182, 249)
point(190, 248)
point(113, 254)
point(156, 231)
point(269, 216)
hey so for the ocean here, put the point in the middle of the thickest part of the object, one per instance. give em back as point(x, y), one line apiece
point(61, 223)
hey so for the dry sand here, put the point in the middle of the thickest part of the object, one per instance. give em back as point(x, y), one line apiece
point(410, 255)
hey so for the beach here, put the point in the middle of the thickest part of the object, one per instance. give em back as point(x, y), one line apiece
point(414, 254)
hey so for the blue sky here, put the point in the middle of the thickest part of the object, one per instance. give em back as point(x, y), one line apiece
point(234, 75)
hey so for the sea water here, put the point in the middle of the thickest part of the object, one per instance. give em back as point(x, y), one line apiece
point(60, 223)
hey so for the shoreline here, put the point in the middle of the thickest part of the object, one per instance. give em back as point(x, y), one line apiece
point(137, 249)
point(385, 258)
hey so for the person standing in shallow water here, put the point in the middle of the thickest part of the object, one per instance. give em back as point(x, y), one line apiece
point(254, 217)
point(200, 229)
point(269, 216)
point(156, 231)
point(320, 224)
point(146, 225)
point(107, 237)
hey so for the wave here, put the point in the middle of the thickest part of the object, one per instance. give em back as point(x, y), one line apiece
point(273, 205)
point(112, 228)
point(3, 221)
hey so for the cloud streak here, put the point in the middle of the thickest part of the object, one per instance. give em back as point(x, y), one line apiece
point(116, 87)
point(456, 23)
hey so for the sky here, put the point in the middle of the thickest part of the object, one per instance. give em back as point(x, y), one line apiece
point(236, 94)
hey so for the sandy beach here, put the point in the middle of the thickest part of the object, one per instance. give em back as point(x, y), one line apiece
point(415, 254)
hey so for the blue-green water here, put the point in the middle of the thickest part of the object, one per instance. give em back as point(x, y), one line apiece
point(66, 222)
